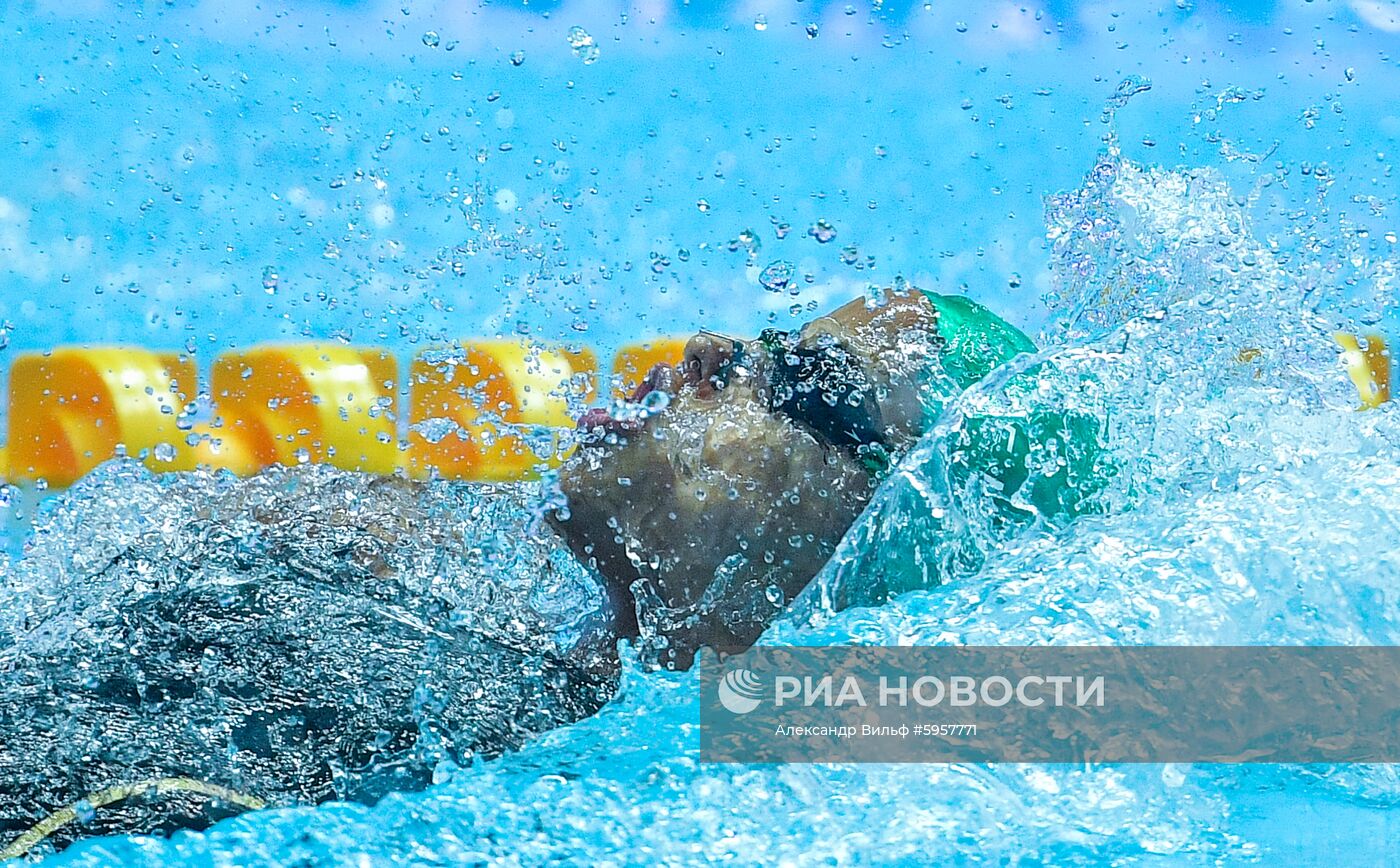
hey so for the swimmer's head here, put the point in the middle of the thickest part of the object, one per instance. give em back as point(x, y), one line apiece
point(707, 517)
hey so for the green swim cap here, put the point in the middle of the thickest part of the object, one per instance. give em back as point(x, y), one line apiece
point(1013, 451)
point(976, 340)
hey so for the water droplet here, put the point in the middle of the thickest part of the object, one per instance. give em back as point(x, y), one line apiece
point(436, 429)
point(823, 231)
point(703, 205)
point(778, 275)
point(655, 401)
point(812, 31)
point(517, 59)
point(165, 452)
point(1351, 73)
point(583, 45)
point(760, 23)
point(1172, 775)
point(431, 39)
point(961, 26)
point(874, 300)
point(1014, 281)
point(1129, 88)
point(270, 279)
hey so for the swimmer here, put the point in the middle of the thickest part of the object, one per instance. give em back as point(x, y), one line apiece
point(706, 519)
point(315, 669)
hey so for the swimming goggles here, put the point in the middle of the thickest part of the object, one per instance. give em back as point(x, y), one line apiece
point(822, 387)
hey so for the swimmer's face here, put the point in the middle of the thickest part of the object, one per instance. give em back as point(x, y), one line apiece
point(717, 510)
point(714, 488)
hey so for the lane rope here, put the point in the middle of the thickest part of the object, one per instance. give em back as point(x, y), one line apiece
point(63, 816)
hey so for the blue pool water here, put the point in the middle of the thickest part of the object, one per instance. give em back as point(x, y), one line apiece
point(1154, 187)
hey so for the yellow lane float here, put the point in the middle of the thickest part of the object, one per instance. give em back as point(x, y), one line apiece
point(584, 363)
point(1368, 367)
point(304, 403)
point(74, 408)
point(634, 361)
point(493, 411)
point(487, 411)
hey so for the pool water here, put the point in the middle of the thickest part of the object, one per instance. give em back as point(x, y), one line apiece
point(1186, 200)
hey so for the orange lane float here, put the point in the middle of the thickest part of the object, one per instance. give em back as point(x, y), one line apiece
point(493, 411)
point(634, 361)
point(303, 403)
point(74, 408)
